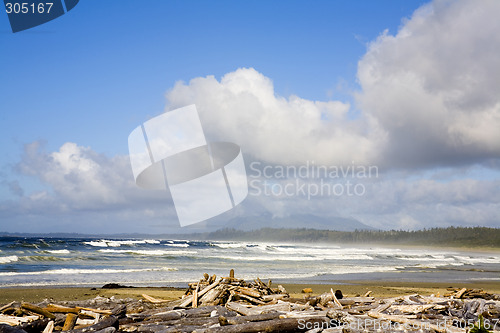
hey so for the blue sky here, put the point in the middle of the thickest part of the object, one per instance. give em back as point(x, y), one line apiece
point(91, 76)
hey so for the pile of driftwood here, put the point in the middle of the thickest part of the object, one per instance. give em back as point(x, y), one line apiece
point(212, 291)
point(231, 305)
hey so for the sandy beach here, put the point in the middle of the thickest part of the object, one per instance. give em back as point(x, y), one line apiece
point(349, 288)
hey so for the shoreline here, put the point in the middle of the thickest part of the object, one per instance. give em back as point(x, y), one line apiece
point(348, 288)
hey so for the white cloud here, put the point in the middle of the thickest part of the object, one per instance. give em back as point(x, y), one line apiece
point(433, 87)
point(243, 108)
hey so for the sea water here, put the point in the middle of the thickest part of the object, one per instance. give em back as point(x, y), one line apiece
point(26, 262)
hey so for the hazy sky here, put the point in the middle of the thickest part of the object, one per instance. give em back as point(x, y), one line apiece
point(409, 88)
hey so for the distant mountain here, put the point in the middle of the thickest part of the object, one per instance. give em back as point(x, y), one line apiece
point(309, 221)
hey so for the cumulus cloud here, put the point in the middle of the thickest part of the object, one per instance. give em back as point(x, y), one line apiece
point(77, 175)
point(433, 87)
point(243, 107)
point(80, 183)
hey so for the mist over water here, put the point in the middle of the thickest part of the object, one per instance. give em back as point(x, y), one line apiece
point(154, 262)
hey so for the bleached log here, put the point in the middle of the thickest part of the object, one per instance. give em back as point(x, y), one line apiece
point(104, 312)
point(335, 300)
point(194, 302)
point(304, 314)
point(246, 311)
point(167, 315)
point(13, 320)
point(415, 323)
point(244, 319)
point(460, 293)
point(49, 328)
point(154, 300)
point(208, 288)
point(210, 297)
point(249, 292)
point(237, 307)
point(268, 298)
point(412, 308)
point(345, 301)
point(189, 300)
point(101, 325)
point(274, 325)
point(359, 299)
point(250, 299)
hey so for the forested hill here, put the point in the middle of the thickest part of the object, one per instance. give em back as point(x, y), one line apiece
point(452, 236)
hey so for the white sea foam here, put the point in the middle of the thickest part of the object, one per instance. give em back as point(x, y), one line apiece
point(58, 251)
point(362, 269)
point(266, 258)
point(229, 245)
point(149, 252)
point(118, 243)
point(177, 245)
point(72, 271)
point(479, 260)
point(9, 259)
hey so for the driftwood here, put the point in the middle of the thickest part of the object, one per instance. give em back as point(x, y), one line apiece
point(16, 320)
point(53, 308)
point(414, 323)
point(49, 328)
point(6, 306)
point(35, 326)
point(229, 304)
point(70, 322)
point(4, 328)
point(38, 310)
point(110, 321)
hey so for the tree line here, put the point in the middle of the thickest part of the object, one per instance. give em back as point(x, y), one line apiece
point(451, 236)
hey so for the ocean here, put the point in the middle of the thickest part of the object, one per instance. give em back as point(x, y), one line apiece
point(36, 262)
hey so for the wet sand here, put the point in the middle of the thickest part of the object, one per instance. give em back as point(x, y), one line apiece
point(349, 288)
